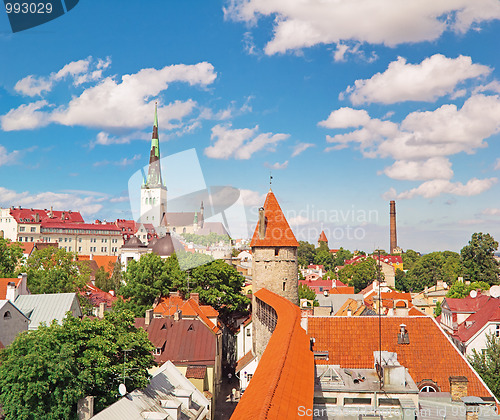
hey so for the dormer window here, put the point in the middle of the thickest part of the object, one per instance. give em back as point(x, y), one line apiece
point(157, 351)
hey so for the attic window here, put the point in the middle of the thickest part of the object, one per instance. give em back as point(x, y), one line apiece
point(191, 328)
point(157, 351)
point(276, 252)
point(7, 315)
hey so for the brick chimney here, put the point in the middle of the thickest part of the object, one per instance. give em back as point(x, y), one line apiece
point(394, 239)
point(11, 293)
point(177, 315)
point(195, 297)
point(102, 309)
point(458, 387)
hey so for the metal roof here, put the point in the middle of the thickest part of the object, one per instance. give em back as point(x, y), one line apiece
point(46, 308)
point(166, 383)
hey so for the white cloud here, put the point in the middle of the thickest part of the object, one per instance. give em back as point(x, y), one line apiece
point(252, 198)
point(86, 204)
point(431, 189)
point(278, 166)
point(7, 158)
point(299, 221)
point(346, 118)
point(305, 23)
point(112, 104)
point(301, 147)
point(433, 168)
point(72, 69)
point(121, 162)
point(491, 212)
point(434, 77)
point(25, 117)
point(33, 86)
point(240, 143)
point(497, 164)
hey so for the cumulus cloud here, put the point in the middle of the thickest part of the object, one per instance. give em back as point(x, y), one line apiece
point(434, 77)
point(433, 168)
point(346, 118)
point(305, 23)
point(86, 204)
point(240, 143)
point(301, 147)
point(277, 165)
point(7, 158)
point(299, 220)
point(431, 189)
point(114, 104)
point(252, 198)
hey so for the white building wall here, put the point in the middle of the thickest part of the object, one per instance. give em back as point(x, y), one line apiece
point(478, 342)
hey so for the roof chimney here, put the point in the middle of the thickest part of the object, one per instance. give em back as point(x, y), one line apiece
point(11, 293)
point(262, 223)
point(403, 337)
point(458, 387)
point(177, 315)
point(37, 217)
point(147, 319)
point(85, 408)
point(392, 214)
point(195, 297)
point(51, 213)
point(102, 308)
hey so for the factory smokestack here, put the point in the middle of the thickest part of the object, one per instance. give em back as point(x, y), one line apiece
point(394, 239)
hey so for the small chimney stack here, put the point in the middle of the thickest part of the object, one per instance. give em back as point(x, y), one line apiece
point(102, 309)
point(262, 223)
point(403, 337)
point(458, 387)
point(195, 297)
point(394, 239)
point(11, 293)
point(149, 315)
point(177, 315)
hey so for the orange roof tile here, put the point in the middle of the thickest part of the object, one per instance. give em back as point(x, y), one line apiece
point(322, 237)
point(106, 261)
point(3, 285)
point(284, 379)
point(351, 341)
point(168, 305)
point(342, 290)
point(196, 372)
point(278, 231)
point(26, 246)
point(243, 361)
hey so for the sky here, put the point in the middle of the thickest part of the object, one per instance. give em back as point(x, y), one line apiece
point(348, 104)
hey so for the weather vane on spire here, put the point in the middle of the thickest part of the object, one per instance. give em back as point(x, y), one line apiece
point(270, 179)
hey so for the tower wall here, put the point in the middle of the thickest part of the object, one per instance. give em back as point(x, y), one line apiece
point(273, 268)
point(153, 204)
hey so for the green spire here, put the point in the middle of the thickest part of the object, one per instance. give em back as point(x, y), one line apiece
point(156, 115)
point(154, 173)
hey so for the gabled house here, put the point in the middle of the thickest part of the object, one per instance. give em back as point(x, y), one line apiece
point(12, 322)
point(47, 308)
point(479, 316)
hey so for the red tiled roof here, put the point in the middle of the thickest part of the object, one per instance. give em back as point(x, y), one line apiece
point(488, 312)
point(390, 259)
point(413, 311)
point(81, 226)
point(316, 283)
point(245, 360)
point(284, 379)
point(322, 237)
point(106, 261)
point(168, 305)
point(3, 285)
point(351, 341)
point(184, 342)
point(196, 372)
point(278, 232)
point(342, 290)
point(467, 304)
point(98, 296)
point(22, 215)
point(27, 247)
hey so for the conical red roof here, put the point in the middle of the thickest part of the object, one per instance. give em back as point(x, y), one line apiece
point(322, 237)
point(278, 232)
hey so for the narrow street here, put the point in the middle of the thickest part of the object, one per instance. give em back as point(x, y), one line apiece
point(224, 406)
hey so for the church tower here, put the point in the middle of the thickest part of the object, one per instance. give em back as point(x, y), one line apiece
point(153, 191)
point(274, 266)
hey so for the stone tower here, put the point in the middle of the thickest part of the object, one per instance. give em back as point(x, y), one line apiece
point(153, 191)
point(274, 267)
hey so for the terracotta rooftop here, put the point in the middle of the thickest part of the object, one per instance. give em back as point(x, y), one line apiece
point(27, 247)
point(467, 304)
point(184, 342)
point(351, 341)
point(30, 215)
point(353, 305)
point(322, 237)
point(284, 379)
point(342, 290)
point(3, 285)
point(245, 360)
point(278, 231)
point(98, 296)
point(196, 372)
point(168, 305)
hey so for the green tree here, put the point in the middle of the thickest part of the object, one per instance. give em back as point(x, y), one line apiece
point(45, 372)
point(54, 270)
point(360, 274)
point(219, 285)
point(305, 292)
point(478, 259)
point(459, 290)
point(106, 281)
point(437, 309)
point(487, 363)
point(148, 279)
point(410, 257)
point(206, 240)
point(340, 257)
point(400, 281)
point(188, 260)
point(431, 268)
point(11, 255)
point(324, 257)
point(305, 253)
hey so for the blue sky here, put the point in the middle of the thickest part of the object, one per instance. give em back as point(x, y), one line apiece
point(350, 107)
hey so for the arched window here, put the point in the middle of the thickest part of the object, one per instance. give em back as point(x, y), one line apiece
point(428, 388)
point(7, 315)
point(184, 230)
point(428, 385)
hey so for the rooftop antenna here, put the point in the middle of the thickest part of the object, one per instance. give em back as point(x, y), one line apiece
point(122, 389)
point(270, 180)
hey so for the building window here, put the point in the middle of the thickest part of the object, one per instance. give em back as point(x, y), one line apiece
point(22, 228)
point(157, 351)
point(60, 239)
point(276, 252)
point(32, 239)
point(20, 239)
point(284, 285)
point(249, 376)
point(249, 332)
point(428, 388)
point(7, 315)
point(497, 330)
point(33, 229)
point(79, 249)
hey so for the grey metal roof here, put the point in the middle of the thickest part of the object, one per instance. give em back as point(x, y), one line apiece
point(166, 383)
point(46, 308)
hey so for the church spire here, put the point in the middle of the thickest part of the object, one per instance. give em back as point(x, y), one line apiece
point(154, 172)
